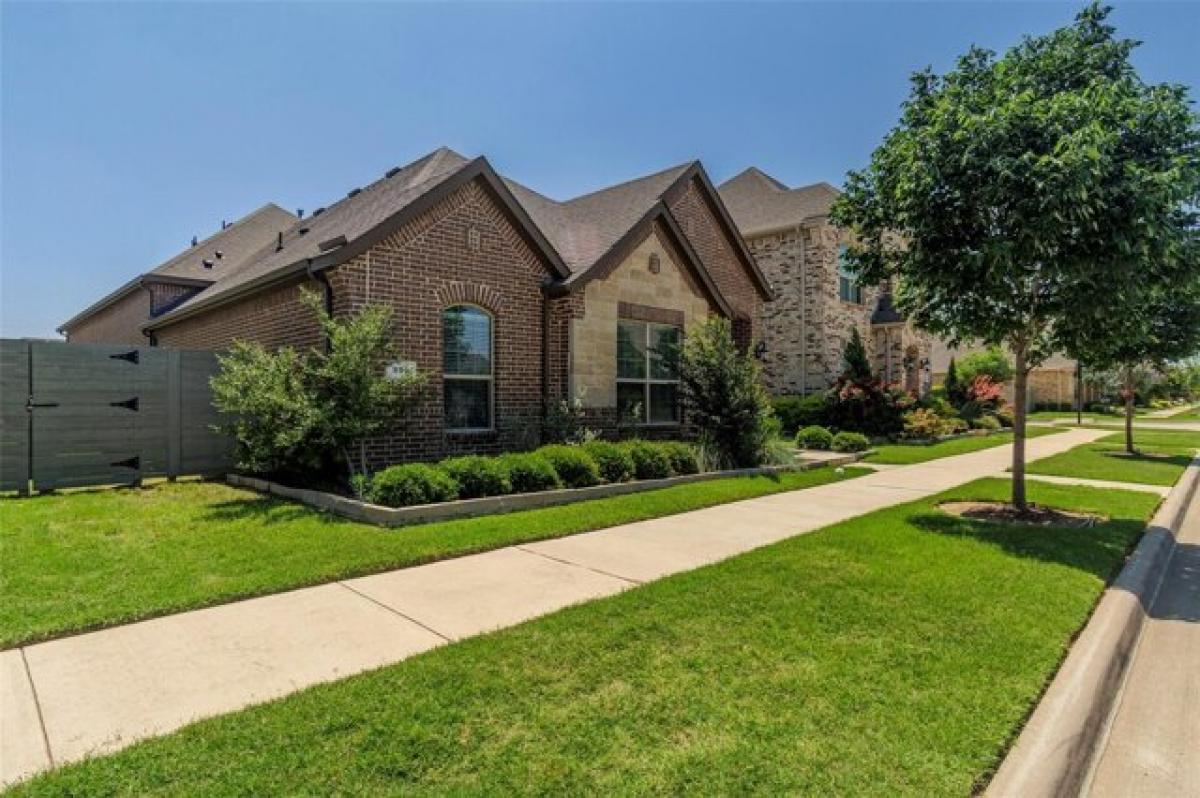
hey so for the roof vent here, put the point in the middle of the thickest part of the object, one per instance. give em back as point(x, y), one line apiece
point(299, 213)
point(354, 192)
point(219, 254)
point(318, 212)
point(224, 224)
point(208, 264)
point(332, 243)
point(395, 170)
point(279, 242)
point(194, 241)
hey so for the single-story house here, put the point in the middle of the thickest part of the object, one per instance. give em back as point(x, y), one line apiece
point(512, 301)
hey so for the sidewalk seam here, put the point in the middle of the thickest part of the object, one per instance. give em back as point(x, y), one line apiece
point(630, 580)
point(396, 612)
point(37, 704)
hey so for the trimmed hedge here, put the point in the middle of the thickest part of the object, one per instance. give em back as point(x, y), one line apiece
point(530, 472)
point(408, 485)
point(650, 461)
point(478, 476)
point(683, 457)
point(814, 437)
point(574, 466)
point(850, 442)
point(615, 463)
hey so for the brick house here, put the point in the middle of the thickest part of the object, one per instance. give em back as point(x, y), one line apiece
point(819, 300)
point(511, 301)
point(118, 318)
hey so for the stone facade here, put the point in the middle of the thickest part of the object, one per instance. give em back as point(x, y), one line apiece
point(806, 327)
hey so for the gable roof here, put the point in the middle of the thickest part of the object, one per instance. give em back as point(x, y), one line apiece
point(573, 236)
point(760, 204)
point(227, 250)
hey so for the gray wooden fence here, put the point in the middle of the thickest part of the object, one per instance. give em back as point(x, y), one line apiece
point(92, 414)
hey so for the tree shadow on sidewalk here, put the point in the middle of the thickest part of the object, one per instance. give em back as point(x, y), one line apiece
point(1179, 597)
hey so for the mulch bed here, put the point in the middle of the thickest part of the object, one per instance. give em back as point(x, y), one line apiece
point(1035, 515)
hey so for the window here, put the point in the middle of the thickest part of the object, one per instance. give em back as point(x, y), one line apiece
point(848, 288)
point(648, 371)
point(467, 373)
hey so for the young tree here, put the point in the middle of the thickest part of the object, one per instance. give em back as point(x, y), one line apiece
point(1015, 193)
point(855, 363)
point(294, 412)
point(1161, 324)
point(955, 391)
point(724, 395)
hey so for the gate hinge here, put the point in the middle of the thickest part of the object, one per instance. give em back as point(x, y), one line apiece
point(134, 462)
point(131, 356)
point(128, 404)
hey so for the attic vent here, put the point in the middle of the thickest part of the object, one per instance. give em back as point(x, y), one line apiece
point(302, 230)
point(395, 170)
point(655, 266)
point(474, 240)
point(279, 242)
point(318, 212)
point(208, 264)
point(354, 192)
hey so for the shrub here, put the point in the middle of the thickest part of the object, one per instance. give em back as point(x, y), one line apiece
point(850, 442)
point(724, 396)
point(814, 437)
point(574, 466)
point(1005, 416)
point(682, 456)
point(797, 412)
point(923, 423)
point(989, 423)
point(990, 362)
point(955, 426)
point(985, 392)
point(615, 463)
point(867, 406)
point(477, 476)
point(650, 461)
point(530, 472)
point(416, 483)
point(855, 363)
point(953, 386)
point(940, 405)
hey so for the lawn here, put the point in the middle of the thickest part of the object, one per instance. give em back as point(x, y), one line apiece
point(84, 560)
point(896, 653)
point(1164, 454)
point(909, 453)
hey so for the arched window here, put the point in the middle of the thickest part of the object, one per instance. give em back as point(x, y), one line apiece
point(467, 368)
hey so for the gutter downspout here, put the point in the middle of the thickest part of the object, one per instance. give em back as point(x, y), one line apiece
point(327, 292)
point(150, 336)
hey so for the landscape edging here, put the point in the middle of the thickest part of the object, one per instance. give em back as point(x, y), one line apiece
point(489, 505)
point(1055, 751)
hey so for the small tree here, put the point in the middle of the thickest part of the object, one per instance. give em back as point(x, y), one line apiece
point(955, 390)
point(724, 395)
point(295, 412)
point(1021, 193)
point(855, 363)
point(991, 361)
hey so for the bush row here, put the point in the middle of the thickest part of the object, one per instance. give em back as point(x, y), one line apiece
point(547, 468)
point(817, 437)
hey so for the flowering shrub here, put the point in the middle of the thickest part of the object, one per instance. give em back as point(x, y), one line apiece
point(869, 406)
point(985, 392)
point(923, 423)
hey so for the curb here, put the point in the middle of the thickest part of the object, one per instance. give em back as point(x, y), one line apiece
point(491, 505)
point(1055, 752)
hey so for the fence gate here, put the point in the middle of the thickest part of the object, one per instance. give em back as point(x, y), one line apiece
point(93, 414)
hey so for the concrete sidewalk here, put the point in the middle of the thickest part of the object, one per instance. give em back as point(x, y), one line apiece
point(99, 692)
point(1153, 745)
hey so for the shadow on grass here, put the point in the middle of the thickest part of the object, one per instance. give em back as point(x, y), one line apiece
point(1100, 550)
point(264, 510)
point(1122, 456)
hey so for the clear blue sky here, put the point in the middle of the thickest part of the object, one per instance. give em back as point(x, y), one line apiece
point(126, 129)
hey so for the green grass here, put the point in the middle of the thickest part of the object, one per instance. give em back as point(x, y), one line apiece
point(908, 453)
point(83, 560)
point(1186, 414)
point(892, 654)
point(1163, 455)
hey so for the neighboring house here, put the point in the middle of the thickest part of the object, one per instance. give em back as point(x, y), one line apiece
point(819, 299)
point(118, 318)
point(511, 301)
point(1054, 382)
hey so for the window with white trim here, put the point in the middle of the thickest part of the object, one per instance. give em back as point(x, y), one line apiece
point(648, 371)
point(849, 289)
point(467, 368)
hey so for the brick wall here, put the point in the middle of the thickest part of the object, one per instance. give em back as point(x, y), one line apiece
point(274, 317)
point(464, 250)
point(711, 243)
point(119, 323)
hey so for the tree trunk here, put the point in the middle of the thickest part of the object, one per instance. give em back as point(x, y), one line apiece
point(1020, 384)
point(1129, 410)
